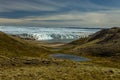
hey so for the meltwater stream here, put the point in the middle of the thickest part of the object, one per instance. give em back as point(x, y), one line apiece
point(54, 34)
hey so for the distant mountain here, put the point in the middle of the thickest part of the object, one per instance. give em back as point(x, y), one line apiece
point(105, 43)
point(15, 47)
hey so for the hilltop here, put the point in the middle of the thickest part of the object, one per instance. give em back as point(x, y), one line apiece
point(104, 43)
point(15, 47)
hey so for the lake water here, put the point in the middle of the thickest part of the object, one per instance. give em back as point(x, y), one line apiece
point(68, 57)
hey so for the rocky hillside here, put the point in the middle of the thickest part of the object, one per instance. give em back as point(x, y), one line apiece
point(105, 43)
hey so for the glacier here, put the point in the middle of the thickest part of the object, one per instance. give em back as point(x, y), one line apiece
point(48, 33)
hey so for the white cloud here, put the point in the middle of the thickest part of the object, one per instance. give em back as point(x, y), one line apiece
point(25, 5)
point(106, 18)
point(92, 19)
point(5, 20)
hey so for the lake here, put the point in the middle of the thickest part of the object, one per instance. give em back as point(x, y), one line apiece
point(68, 57)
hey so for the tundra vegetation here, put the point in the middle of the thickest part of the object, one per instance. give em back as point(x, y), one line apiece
point(28, 60)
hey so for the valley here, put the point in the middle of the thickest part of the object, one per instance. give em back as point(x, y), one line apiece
point(29, 59)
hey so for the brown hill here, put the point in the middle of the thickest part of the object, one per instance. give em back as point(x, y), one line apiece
point(104, 43)
point(106, 35)
point(12, 46)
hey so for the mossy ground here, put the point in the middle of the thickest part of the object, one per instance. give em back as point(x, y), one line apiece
point(65, 70)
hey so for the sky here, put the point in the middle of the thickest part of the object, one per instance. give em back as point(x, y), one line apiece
point(81, 13)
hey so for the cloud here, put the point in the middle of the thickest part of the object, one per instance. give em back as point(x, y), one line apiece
point(90, 19)
point(60, 12)
point(24, 5)
point(4, 20)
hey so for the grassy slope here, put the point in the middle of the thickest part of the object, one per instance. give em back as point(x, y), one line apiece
point(105, 43)
point(64, 70)
point(103, 47)
point(12, 46)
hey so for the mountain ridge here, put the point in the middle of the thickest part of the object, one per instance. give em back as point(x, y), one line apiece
point(105, 43)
